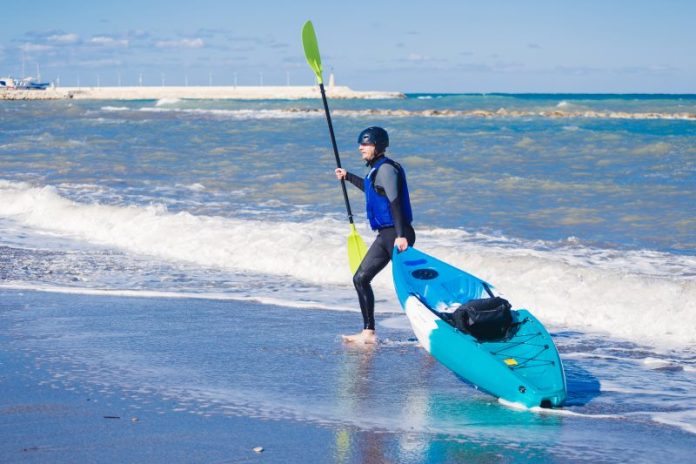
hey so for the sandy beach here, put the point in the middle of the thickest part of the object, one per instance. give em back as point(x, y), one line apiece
point(41, 423)
point(107, 378)
point(196, 93)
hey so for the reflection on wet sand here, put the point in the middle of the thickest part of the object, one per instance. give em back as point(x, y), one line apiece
point(434, 428)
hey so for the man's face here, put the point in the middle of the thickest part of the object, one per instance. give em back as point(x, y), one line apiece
point(367, 150)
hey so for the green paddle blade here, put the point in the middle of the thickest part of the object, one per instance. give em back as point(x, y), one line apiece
point(356, 245)
point(311, 49)
point(356, 249)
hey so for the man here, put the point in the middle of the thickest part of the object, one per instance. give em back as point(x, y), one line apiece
point(389, 212)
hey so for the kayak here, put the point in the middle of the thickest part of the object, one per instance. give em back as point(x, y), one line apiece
point(522, 367)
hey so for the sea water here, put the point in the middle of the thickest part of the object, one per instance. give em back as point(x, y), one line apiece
point(577, 207)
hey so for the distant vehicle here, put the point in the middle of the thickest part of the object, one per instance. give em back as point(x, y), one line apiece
point(6, 83)
point(28, 83)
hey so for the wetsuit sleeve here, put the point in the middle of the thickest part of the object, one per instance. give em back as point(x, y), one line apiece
point(387, 179)
point(399, 220)
point(356, 180)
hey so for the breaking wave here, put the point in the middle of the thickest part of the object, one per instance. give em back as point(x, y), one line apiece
point(561, 112)
point(620, 293)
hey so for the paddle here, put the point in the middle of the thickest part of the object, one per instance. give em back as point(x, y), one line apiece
point(356, 245)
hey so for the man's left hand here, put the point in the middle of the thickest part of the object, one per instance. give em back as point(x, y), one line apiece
point(401, 243)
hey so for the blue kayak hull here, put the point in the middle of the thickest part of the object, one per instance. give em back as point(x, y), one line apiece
point(523, 368)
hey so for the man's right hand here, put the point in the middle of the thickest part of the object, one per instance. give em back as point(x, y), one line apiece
point(340, 173)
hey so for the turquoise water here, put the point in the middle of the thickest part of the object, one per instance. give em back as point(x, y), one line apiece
point(577, 207)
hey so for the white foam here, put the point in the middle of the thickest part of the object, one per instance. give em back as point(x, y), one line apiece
point(685, 420)
point(235, 114)
point(167, 101)
point(616, 387)
point(231, 114)
point(304, 251)
point(566, 110)
point(622, 298)
point(291, 303)
point(396, 322)
point(196, 187)
point(598, 291)
point(115, 108)
point(513, 405)
point(569, 413)
point(662, 364)
point(555, 411)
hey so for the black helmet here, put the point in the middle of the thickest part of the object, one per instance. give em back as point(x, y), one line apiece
point(376, 136)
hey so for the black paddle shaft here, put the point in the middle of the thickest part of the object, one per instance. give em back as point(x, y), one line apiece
point(335, 150)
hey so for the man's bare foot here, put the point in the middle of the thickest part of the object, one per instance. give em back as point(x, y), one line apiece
point(367, 337)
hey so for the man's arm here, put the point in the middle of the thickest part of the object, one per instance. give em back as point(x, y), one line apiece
point(356, 180)
point(359, 182)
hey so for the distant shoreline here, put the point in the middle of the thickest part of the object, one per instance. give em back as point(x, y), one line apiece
point(294, 93)
point(561, 95)
point(196, 93)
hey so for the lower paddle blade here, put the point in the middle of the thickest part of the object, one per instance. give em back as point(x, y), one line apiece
point(356, 249)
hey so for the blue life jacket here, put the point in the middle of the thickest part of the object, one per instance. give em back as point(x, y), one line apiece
point(377, 203)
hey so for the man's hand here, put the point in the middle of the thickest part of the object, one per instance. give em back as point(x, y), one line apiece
point(340, 173)
point(401, 243)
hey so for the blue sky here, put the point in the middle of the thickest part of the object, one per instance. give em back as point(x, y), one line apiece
point(430, 46)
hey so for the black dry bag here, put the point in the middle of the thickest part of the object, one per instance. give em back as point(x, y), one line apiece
point(486, 319)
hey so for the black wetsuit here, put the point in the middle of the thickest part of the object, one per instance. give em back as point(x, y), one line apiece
point(386, 182)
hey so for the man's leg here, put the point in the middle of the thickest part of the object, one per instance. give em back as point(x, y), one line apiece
point(375, 260)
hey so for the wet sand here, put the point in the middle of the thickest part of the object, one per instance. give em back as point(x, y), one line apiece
point(40, 423)
point(103, 378)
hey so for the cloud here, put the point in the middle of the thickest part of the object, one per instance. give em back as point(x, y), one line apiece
point(534, 46)
point(417, 57)
point(100, 63)
point(474, 68)
point(36, 48)
point(211, 32)
point(508, 66)
point(181, 43)
point(63, 39)
point(578, 70)
point(105, 41)
point(648, 70)
point(293, 62)
point(241, 48)
point(138, 34)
